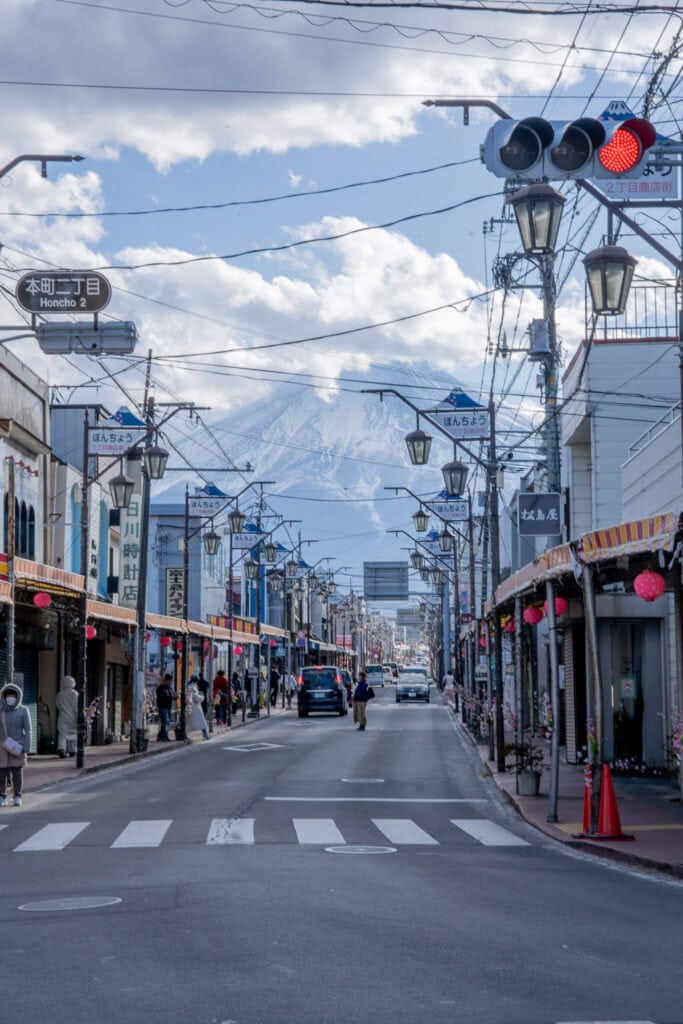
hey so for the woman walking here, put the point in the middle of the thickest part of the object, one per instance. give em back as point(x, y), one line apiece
point(197, 719)
point(15, 741)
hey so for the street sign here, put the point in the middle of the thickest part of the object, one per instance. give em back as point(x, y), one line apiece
point(455, 510)
point(385, 581)
point(246, 540)
point(539, 515)
point(59, 338)
point(111, 440)
point(60, 291)
point(462, 418)
point(198, 505)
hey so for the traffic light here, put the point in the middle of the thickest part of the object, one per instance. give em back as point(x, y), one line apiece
point(558, 150)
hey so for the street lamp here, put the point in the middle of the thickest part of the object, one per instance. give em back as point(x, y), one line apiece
point(155, 461)
point(609, 271)
point(417, 559)
point(455, 477)
point(436, 577)
point(446, 540)
point(121, 488)
point(212, 543)
point(236, 521)
point(538, 210)
point(292, 569)
point(421, 521)
point(270, 552)
point(251, 568)
point(418, 443)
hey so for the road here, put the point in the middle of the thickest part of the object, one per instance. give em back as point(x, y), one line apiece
point(301, 872)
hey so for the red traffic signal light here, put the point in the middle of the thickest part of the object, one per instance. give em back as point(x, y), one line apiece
point(630, 139)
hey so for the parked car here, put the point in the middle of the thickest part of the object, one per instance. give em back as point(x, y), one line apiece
point(347, 679)
point(412, 686)
point(321, 688)
point(375, 674)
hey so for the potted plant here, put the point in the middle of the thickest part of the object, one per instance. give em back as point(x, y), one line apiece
point(528, 765)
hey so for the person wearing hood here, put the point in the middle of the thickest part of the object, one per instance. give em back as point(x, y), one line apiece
point(66, 702)
point(197, 719)
point(15, 729)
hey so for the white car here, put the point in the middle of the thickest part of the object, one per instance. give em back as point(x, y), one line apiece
point(375, 674)
point(387, 674)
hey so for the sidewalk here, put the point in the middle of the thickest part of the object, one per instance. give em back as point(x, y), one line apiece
point(650, 809)
point(46, 770)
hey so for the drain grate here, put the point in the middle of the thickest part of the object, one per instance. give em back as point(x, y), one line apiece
point(71, 903)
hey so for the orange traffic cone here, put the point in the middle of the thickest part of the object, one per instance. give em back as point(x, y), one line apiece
point(587, 787)
point(609, 824)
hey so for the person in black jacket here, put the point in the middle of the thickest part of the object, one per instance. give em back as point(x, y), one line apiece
point(166, 696)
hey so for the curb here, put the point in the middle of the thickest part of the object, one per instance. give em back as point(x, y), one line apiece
point(602, 852)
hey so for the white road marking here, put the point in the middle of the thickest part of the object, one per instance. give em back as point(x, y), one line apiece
point(52, 837)
point(142, 833)
point(487, 832)
point(371, 800)
point(227, 831)
point(252, 747)
point(605, 1022)
point(322, 831)
point(403, 830)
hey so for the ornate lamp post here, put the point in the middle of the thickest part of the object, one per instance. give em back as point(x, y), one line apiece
point(609, 271)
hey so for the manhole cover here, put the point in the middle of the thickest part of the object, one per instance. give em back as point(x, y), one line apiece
point(72, 903)
point(362, 780)
point(360, 849)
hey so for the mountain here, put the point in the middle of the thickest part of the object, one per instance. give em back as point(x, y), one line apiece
point(330, 457)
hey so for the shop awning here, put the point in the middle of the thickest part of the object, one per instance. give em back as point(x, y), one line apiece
point(111, 612)
point(5, 596)
point(244, 638)
point(655, 533)
point(268, 630)
point(553, 562)
point(36, 576)
point(198, 628)
point(166, 623)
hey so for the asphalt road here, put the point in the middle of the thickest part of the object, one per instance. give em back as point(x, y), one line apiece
point(302, 872)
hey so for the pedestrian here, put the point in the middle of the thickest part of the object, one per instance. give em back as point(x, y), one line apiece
point(197, 719)
point(361, 696)
point(15, 741)
point(66, 702)
point(220, 690)
point(274, 685)
point(203, 687)
point(448, 688)
point(166, 696)
point(290, 687)
point(447, 680)
point(236, 692)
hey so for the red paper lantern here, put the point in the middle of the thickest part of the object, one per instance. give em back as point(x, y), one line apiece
point(509, 625)
point(532, 615)
point(238, 651)
point(273, 643)
point(649, 585)
point(179, 645)
point(560, 606)
point(482, 641)
point(165, 641)
point(148, 637)
point(42, 600)
point(90, 632)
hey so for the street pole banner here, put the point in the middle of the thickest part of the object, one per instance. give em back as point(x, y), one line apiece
point(455, 510)
point(129, 557)
point(117, 435)
point(462, 418)
point(539, 515)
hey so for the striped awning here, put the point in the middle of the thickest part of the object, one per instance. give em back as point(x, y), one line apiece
point(5, 593)
point(655, 533)
point(166, 623)
point(111, 612)
point(37, 576)
point(198, 628)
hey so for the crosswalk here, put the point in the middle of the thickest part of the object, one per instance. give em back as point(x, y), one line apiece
point(399, 832)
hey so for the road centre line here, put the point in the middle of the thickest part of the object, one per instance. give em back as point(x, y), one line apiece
point(374, 800)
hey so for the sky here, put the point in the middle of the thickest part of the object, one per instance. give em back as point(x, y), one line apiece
point(219, 139)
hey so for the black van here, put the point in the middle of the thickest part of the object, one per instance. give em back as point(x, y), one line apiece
point(321, 688)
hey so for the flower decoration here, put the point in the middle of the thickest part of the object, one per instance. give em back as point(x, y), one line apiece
point(649, 585)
